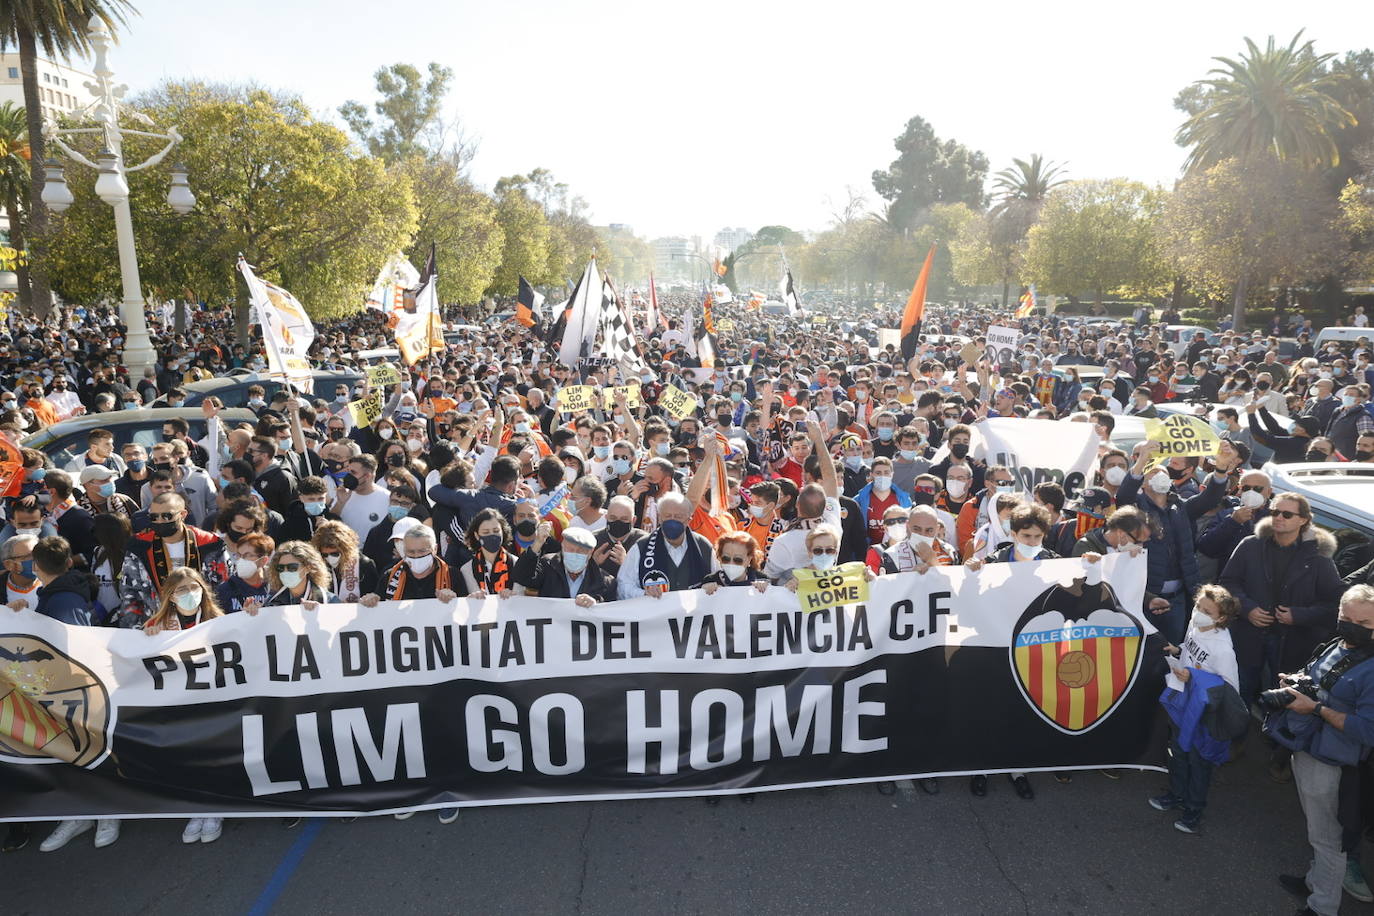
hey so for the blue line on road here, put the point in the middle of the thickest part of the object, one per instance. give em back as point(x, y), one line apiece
point(287, 867)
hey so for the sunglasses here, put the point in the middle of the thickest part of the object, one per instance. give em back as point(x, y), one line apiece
point(288, 567)
point(740, 561)
point(1252, 489)
point(163, 516)
point(330, 553)
point(1284, 513)
point(824, 551)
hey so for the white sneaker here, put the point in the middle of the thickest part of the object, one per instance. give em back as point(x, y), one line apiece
point(106, 832)
point(192, 832)
point(405, 815)
point(211, 828)
point(65, 832)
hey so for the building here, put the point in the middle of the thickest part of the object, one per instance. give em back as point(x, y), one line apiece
point(730, 239)
point(63, 88)
point(673, 256)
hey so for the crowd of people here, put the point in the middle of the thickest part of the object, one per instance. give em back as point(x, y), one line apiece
point(810, 446)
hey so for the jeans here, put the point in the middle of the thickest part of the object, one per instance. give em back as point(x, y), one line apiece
point(1189, 774)
point(1318, 787)
point(1254, 678)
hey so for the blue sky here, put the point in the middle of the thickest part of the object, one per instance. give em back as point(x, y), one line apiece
point(684, 118)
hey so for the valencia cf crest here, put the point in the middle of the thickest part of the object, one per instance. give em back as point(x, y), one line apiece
point(1074, 656)
point(51, 707)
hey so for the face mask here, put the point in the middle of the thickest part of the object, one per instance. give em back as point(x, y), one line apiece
point(385, 433)
point(618, 528)
point(491, 543)
point(736, 396)
point(853, 462)
point(601, 451)
point(30, 532)
point(1354, 633)
point(662, 449)
point(37, 473)
point(959, 450)
point(1251, 499)
point(314, 508)
point(1161, 483)
point(107, 489)
point(1347, 400)
point(574, 562)
point(522, 428)
point(733, 571)
point(420, 565)
point(1315, 455)
point(255, 403)
point(908, 454)
point(290, 578)
point(1006, 488)
point(1114, 475)
point(1027, 551)
point(951, 422)
point(166, 529)
point(1361, 455)
point(26, 568)
point(621, 466)
point(882, 484)
point(758, 511)
point(673, 529)
point(189, 601)
point(919, 540)
point(1324, 374)
point(569, 474)
point(1154, 380)
point(527, 528)
point(822, 561)
point(246, 568)
point(896, 531)
point(349, 482)
point(1202, 619)
point(957, 488)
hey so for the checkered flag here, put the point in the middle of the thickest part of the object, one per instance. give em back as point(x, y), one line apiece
point(617, 330)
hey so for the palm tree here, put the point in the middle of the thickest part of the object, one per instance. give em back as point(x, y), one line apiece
point(14, 180)
point(60, 28)
point(1028, 181)
point(1275, 101)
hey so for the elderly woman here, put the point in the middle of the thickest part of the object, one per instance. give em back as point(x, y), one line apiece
point(351, 575)
point(740, 560)
point(823, 547)
point(296, 575)
point(419, 574)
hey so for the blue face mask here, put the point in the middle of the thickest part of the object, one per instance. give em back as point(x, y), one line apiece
point(601, 451)
point(574, 562)
point(908, 454)
point(736, 396)
point(37, 473)
point(137, 465)
point(224, 482)
point(885, 433)
point(621, 466)
point(107, 489)
point(27, 567)
point(673, 529)
point(397, 512)
point(663, 448)
point(314, 508)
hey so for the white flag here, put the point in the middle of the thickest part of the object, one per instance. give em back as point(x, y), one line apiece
point(286, 330)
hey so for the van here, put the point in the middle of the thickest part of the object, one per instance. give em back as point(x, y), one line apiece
point(1341, 335)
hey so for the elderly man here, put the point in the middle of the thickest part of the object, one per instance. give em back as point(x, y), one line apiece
point(922, 547)
point(617, 536)
point(1337, 730)
point(1232, 525)
point(419, 574)
point(569, 573)
point(19, 583)
point(671, 558)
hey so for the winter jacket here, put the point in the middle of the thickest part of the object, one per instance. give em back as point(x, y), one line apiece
point(864, 499)
point(1175, 522)
point(68, 598)
point(1311, 589)
point(1209, 714)
point(1352, 694)
point(1221, 537)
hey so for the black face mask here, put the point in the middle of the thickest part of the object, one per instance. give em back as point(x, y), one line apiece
point(396, 460)
point(1315, 454)
point(526, 528)
point(922, 498)
point(162, 466)
point(1354, 633)
point(723, 419)
point(959, 450)
point(1176, 473)
point(349, 482)
point(166, 529)
point(335, 435)
point(618, 528)
point(491, 543)
point(1363, 456)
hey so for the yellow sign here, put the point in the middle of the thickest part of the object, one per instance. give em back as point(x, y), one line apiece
point(677, 402)
point(835, 587)
point(1182, 436)
point(819, 319)
point(414, 347)
point(629, 392)
point(576, 397)
point(725, 324)
point(383, 375)
point(367, 409)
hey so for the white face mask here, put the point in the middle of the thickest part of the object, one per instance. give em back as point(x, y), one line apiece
point(732, 571)
point(1027, 551)
point(246, 568)
point(882, 484)
point(1161, 483)
point(189, 601)
point(420, 565)
point(919, 540)
point(823, 561)
point(1251, 499)
point(414, 445)
point(385, 432)
point(31, 532)
point(1202, 619)
point(334, 559)
point(956, 488)
point(1114, 475)
point(290, 578)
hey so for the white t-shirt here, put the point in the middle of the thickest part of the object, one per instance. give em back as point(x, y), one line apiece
point(593, 527)
point(363, 512)
point(109, 588)
point(1210, 650)
point(30, 596)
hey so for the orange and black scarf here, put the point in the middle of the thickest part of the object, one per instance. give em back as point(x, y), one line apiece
point(396, 579)
point(162, 561)
point(495, 580)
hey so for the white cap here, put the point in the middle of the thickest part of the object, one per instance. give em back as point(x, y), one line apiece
point(399, 529)
point(96, 472)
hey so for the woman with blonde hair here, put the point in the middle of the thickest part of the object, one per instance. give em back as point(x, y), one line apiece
point(351, 575)
point(296, 575)
point(186, 599)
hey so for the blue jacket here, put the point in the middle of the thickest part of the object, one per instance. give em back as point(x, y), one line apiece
point(1222, 537)
point(1175, 522)
point(1209, 715)
point(864, 496)
point(68, 599)
point(1353, 695)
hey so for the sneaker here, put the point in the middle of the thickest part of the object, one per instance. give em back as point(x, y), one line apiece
point(405, 815)
point(64, 834)
point(193, 828)
point(1295, 885)
point(1022, 786)
point(106, 832)
point(16, 838)
point(978, 785)
point(448, 815)
point(1166, 802)
point(211, 828)
point(289, 822)
point(1190, 822)
point(1355, 884)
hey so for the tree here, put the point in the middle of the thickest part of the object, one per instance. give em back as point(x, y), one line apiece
point(1099, 236)
point(272, 181)
point(525, 240)
point(758, 262)
point(1244, 225)
point(410, 108)
point(461, 223)
point(1356, 222)
point(929, 171)
point(60, 28)
point(1271, 102)
point(14, 182)
point(1027, 181)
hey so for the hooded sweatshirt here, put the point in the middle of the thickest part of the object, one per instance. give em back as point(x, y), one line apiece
point(68, 598)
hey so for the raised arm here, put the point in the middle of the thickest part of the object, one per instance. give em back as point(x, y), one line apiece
point(696, 487)
point(829, 479)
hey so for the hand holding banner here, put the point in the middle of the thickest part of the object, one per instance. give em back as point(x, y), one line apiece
point(576, 397)
point(1182, 436)
point(629, 392)
point(844, 584)
point(366, 410)
point(676, 402)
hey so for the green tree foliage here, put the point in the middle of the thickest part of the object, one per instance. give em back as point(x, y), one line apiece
point(14, 183)
point(409, 109)
point(628, 257)
point(1098, 236)
point(929, 171)
point(1356, 222)
point(273, 182)
point(1244, 225)
point(1275, 101)
point(525, 240)
point(1030, 181)
point(459, 220)
point(60, 28)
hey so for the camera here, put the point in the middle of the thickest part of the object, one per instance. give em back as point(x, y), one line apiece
point(1279, 697)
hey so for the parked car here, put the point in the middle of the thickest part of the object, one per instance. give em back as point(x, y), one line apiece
point(233, 390)
point(1342, 335)
point(1179, 336)
point(1342, 498)
point(62, 442)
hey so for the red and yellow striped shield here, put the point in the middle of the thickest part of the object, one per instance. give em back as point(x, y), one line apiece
point(1074, 671)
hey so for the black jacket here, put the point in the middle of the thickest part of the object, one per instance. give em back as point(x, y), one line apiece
point(299, 525)
point(277, 487)
point(544, 573)
point(68, 598)
point(603, 537)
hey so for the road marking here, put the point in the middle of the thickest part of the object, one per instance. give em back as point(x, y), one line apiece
point(287, 867)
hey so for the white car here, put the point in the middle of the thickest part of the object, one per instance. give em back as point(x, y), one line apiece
point(1342, 499)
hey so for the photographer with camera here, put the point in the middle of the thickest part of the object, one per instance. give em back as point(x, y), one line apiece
point(1325, 714)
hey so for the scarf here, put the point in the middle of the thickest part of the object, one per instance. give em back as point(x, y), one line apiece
point(656, 567)
point(397, 578)
point(494, 580)
point(162, 561)
point(1086, 523)
point(346, 585)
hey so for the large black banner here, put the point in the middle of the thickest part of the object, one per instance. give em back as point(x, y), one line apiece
point(419, 704)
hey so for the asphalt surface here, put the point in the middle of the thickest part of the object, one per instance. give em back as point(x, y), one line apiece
point(1091, 847)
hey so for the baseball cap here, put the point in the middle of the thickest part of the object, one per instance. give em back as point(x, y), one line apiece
point(1093, 501)
point(96, 472)
point(399, 529)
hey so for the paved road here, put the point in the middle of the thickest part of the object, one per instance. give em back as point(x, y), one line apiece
point(1092, 847)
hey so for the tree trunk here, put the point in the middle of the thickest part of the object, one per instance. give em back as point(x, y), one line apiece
point(241, 309)
point(178, 317)
point(21, 270)
point(1238, 304)
point(40, 292)
point(1006, 290)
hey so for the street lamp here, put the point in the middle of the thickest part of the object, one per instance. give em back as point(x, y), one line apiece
point(112, 186)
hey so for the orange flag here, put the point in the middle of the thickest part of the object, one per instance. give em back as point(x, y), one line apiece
point(916, 309)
